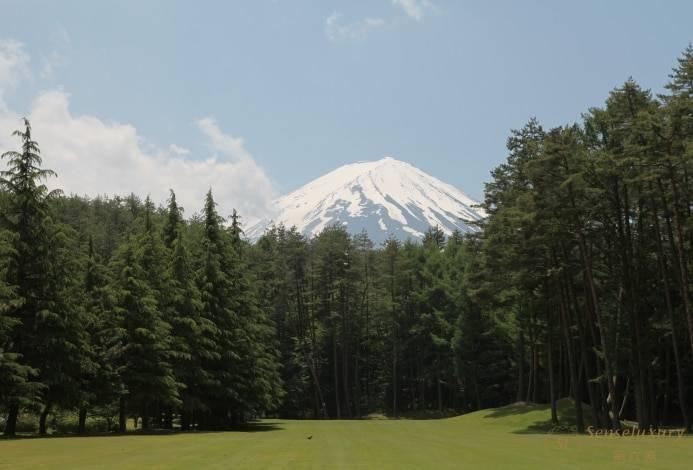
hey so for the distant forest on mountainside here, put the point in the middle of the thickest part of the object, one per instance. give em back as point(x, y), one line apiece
point(578, 283)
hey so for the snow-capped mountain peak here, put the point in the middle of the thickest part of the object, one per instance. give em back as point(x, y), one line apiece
point(385, 197)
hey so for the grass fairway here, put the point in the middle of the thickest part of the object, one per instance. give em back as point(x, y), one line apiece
point(505, 437)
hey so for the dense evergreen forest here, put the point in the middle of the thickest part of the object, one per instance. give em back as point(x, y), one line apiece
point(577, 284)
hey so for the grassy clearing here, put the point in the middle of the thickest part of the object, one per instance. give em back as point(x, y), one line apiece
point(508, 437)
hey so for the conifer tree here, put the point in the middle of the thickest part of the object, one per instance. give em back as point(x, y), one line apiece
point(47, 325)
point(220, 309)
point(189, 330)
point(145, 359)
point(17, 386)
point(391, 261)
point(260, 366)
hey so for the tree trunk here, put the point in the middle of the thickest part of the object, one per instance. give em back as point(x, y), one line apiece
point(572, 366)
point(336, 376)
point(345, 373)
point(145, 417)
point(561, 370)
point(535, 382)
point(357, 384)
point(477, 395)
point(42, 419)
point(318, 390)
point(585, 367)
point(625, 398)
point(666, 399)
point(520, 364)
point(122, 418)
point(678, 242)
point(592, 291)
point(413, 386)
point(661, 261)
point(394, 379)
point(530, 378)
point(549, 353)
point(367, 346)
point(184, 420)
point(82, 424)
point(168, 418)
point(11, 423)
point(602, 331)
point(439, 384)
point(652, 405)
point(626, 255)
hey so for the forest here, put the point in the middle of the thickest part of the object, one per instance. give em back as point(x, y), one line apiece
point(577, 284)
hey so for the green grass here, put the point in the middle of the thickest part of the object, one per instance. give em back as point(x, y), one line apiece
point(508, 437)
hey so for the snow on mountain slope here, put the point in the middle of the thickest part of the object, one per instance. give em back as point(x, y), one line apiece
point(384, 197)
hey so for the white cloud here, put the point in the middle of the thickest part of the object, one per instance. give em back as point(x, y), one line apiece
point(233, 147)
point(178, 150)
point(415, 9)
point(14, 66)
point(94, 157)
point(49, 64)
point(62, 36)
point(337, 31)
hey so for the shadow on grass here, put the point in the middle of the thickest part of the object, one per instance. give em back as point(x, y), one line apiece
point(243, 428)
point(565, 410)
point(431, 414)
point(519, 408)
point(256, 427)
point(413, 415)
point(566, 419)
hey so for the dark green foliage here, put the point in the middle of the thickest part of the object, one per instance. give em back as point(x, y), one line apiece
point(182, 309)
point(16, 385)
point(144, 360)
point(588, 247)
point(364, 329)
point(45, 318)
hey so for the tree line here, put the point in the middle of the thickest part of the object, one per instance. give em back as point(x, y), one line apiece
point(576, 284)
point(588, 247)
point(114, 305)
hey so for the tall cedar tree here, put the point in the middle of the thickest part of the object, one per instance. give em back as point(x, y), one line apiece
point(145, 359)
point(47, 321)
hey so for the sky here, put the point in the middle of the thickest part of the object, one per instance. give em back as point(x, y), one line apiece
point(256, 98)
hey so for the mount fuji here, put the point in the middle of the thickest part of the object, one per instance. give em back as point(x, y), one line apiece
point(386, 197)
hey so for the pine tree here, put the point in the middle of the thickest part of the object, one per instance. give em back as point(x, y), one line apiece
point(261, 380)
point(100, 375)
point(391, 261)
point(65, 354)
point(280, 262)
point(48, 328)
point(145, 358)
point(189, 331)
point(223, 397)
point(17, 388)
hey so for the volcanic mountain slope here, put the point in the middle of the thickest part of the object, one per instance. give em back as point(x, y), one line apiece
point(387, 198)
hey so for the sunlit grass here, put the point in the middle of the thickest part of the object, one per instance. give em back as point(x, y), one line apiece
point(508, 437)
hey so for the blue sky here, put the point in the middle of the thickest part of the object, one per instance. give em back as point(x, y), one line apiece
point(288, 90)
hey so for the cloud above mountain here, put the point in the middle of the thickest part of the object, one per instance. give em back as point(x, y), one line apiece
point(14, 66)
point(338, 30)
point(415, 9)
point(94, 156)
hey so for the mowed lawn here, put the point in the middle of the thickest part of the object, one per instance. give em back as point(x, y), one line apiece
point(501, 438)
